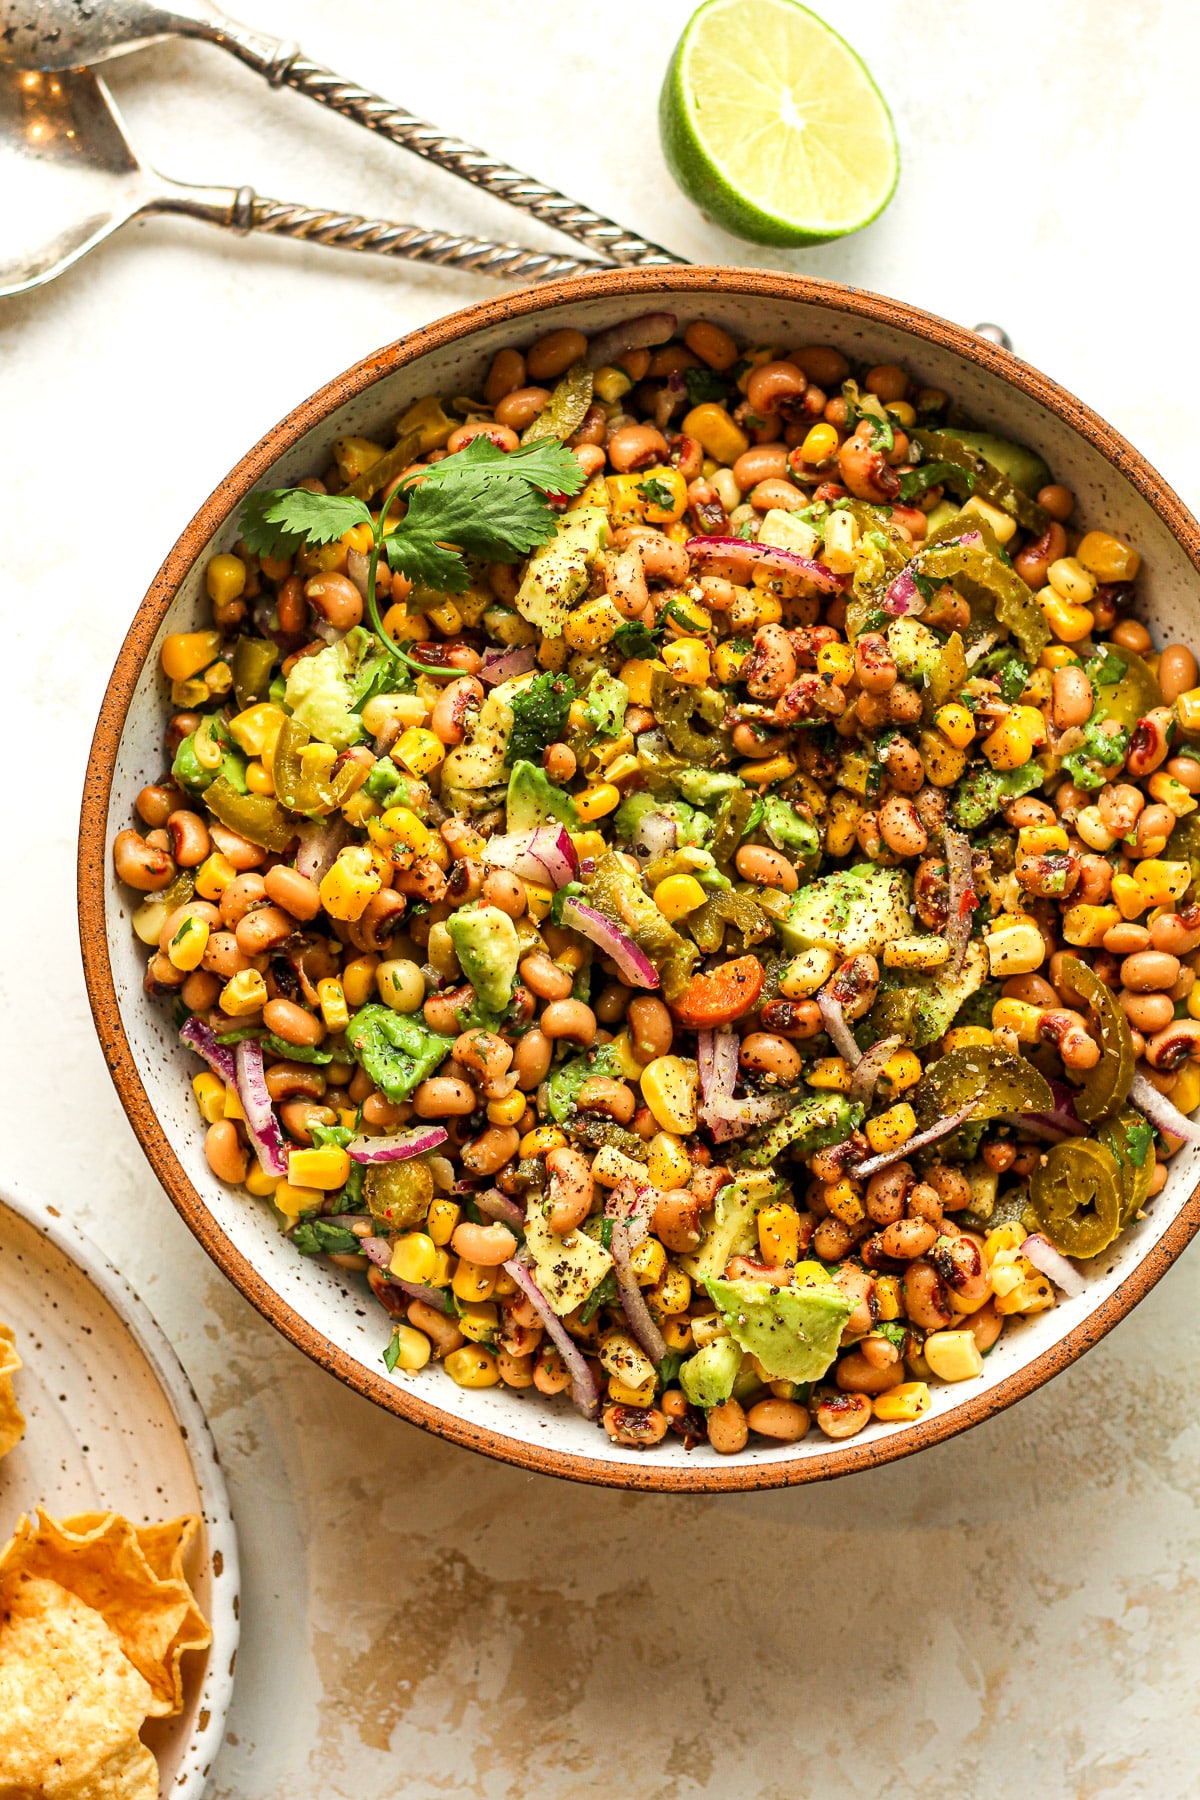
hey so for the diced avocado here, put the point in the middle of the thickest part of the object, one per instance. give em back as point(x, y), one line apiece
point(732, 1229)
point(924, 1009)
point(533, 799)
point(557, 572)
point(488, 949)
point(319, 695)
point(700, 787)
point(856, 909)
point(566, 1268)
point(708, 1377)
point(940, 515)
point(785, 531)
point(812, 1124)
point(1024, 467)
point(793, 1331)
point(981, 793)
point(915, 648)
point(478, 763)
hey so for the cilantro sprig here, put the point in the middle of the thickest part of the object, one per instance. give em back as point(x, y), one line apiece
point(482, 502)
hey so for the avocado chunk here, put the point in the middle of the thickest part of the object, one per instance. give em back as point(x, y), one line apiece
point(488, 949)
point(915, 648)
point(793, 1331)
point(700, 787)
point(556, 575)
point(927, 1005)
point(567, 1268)
point(708, 1377)
point(533, 799)
point(851, 910)
point(812, 1124)
point(732, 1229)
point(1024, 467)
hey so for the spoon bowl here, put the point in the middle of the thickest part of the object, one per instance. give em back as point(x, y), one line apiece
point(63, 34)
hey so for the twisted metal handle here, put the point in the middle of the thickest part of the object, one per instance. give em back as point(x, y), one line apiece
point(285, 66)
point(410, 243)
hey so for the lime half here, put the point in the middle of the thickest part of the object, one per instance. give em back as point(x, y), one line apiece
point(772, 125)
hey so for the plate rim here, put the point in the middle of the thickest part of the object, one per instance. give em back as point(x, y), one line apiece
point(175, 1383)
point(284, 1314)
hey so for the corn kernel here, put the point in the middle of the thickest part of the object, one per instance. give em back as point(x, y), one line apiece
point(509, 1111)
point(1071, 581)
point(358, 980)
point(186, 949)
point(442, 1220)
point(1168, 792)
point(225, 579)
point(1162, 882)
point(592, 626)
point(967, 1037)
point(956, 724)
point(186, 653)
point(292, 1200)
point(419, 750)
point(668, 1165)
point(953, 1355)
point(669, 1086)
point(332, 999)
point(1187, 710)
point(413, 1348)
point(843, 826)
point(708, 1327)
point(414, 1257)
point(841, 540)
point(609, 383)
point(901, 1405)
point(472, 1366)
point(327, 1168)
point(623, 1393)
point(716, 432)
point(231, 1105)
point(1040, 840)
point(1002, 1239)
point(892, 1128)
point(943, 764)
point(1018, 1017)
point(831, 1072)
point(648, 1262)
point(673, 1293)
point(243, 993)
point(1185, 1095)
point(916, 953)
point(837, 662)
point(256, 729)
point(887, 1297)
point(399, 825)
point(820, 443)
point(1034, 1294)
point(350, 885)
point(638, 676)
point(688, 661)
point(901, 1071)
point(843, 1202)
point(210, 1097)
point(1085, 926)
point(677, 896)
point(259, 1183)
point(773, 768)
point(727, 663)
point(1003, 524)
point(779, 1234)
point(1066, 620)
point(541, 1139)
point(1010, 745)
point(480, 1321)
point(1016, 948)
point(597, 802)
point(752, 609)
point(1108, 558)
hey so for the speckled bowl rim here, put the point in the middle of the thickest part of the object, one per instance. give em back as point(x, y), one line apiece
point(196, 1764)
point(700, 1478)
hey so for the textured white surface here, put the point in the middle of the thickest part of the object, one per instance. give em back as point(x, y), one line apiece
point(1012, 1613)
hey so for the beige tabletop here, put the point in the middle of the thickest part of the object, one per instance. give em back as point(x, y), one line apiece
point(1012, 1614)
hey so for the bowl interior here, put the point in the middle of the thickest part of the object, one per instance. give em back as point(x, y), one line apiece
point(330, 1314)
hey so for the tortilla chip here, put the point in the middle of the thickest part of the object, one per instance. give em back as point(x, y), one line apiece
point(130, 1773)
point(98, 1557)
point(12, 1419)
point(164, 1547)
point(69, 1697)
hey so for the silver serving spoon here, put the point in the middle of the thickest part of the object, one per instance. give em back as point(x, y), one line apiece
point(65, 34)
point(69, 178)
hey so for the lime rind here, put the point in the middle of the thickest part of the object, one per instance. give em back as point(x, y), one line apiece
point(773, 125)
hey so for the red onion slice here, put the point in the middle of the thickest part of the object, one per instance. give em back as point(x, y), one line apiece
point(654, 835)
point(378, 1249)
point(503, 665)
point(203, 1040)
point(942, 1129)
point(642, 333)
point(635, 966)
point(717, 1059)
point(871, 1067)
point(397, 1147)
point(1053, 1264)
point(261, 1123)
point(1159, 1110)
point(737, 558)
point(838, 1031)
point(544, 855)
point(962, 899)
point(584, 1391)
point(417, 1290)
point(632, 1202)
point(495, 1205)
point(903, 596)
point(633, 1303)
point(317, 850)
point(734, 1118)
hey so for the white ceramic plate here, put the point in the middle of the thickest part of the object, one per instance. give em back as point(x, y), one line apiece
point(112, 1423)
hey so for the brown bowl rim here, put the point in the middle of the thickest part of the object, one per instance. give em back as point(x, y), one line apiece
point(701, 1478)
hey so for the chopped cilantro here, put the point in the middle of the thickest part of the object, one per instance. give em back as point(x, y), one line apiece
point(657, 493)
point(539, 716)
point(703, 385)
point(317, 1237)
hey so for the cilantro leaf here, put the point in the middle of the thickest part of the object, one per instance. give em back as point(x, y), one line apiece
point(635, 639)
point(657, 493)
point(926, 475)
point(277, 521)
point(1013, 677)
point(1138, 1142)
point(391, 1355)
point(539, 717)
point(316, 1237)
point(703, 384)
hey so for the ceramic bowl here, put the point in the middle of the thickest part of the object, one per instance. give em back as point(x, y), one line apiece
point(327, 1314)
